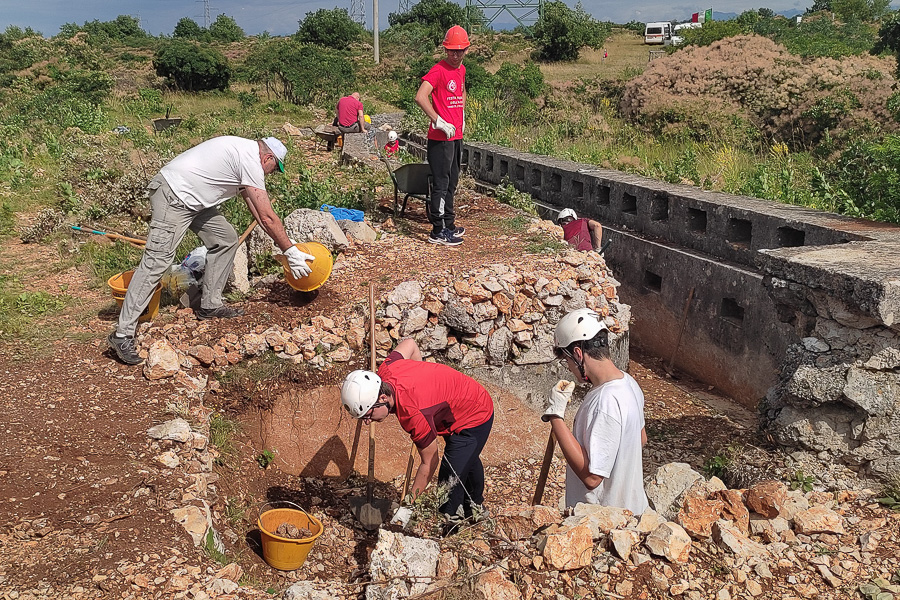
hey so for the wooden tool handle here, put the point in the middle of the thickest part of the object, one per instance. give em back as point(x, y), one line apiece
point(370, 478)
point(545, 470)
point(409, 466)
point(125, 238)
point(247, 232)
point(372, 325)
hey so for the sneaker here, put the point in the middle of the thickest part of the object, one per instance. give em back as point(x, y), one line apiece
point(452, 525)
point(125, 348)
point(445, 238)
point(220, 312)
point(459, 232)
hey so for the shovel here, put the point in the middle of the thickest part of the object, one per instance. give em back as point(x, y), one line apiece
point(545, 470)
point(370, 512)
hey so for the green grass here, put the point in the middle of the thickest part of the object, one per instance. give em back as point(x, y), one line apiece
point(21, 311)
point(515, 224)
point(105, 260)
point(221, 433)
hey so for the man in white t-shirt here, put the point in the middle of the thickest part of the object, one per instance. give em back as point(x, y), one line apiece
point(603, 448)
point(184, 195)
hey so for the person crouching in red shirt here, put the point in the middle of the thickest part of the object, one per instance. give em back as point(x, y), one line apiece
point(583, 234)
point(430, 400)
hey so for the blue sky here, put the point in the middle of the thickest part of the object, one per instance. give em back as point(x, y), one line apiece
point(280, 17)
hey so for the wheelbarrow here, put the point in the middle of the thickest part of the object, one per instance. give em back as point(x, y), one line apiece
point(412, 180)
point(328, 134)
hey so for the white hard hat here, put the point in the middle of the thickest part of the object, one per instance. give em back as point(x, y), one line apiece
point(578, 325)
point(564, 213)
point(392, 136)
point(360, 392)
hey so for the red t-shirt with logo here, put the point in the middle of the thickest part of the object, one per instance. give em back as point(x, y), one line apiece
point(348, 109)
point(578, 234)
point(433, 399)
point(447, 97)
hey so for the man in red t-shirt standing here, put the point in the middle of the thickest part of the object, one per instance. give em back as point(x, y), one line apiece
point(430, 400)
point(442, 96)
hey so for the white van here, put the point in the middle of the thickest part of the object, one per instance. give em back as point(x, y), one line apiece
point(658, 33)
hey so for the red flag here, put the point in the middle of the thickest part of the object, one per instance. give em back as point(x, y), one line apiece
point(695, 18)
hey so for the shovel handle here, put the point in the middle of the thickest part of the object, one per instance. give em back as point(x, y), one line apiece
point(409, 466)
point(545, 470)
point(247, 232)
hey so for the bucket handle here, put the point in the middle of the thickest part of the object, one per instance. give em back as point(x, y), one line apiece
point(260, 506)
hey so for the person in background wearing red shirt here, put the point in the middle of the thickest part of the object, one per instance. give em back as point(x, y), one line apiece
point(350, 116)
point(442, 95)
point(584, 234)
point(430, 400)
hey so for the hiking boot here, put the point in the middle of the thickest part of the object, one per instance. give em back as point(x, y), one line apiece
point(445, 238)
point(220, 312)
point(459, 231)
point(125, 348)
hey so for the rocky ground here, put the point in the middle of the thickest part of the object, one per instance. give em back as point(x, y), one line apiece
point(98, 504)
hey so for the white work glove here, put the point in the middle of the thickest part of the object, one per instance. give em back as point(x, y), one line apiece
point(401, 517)
point(559, 399)
point(446, 127)
point(297, 262)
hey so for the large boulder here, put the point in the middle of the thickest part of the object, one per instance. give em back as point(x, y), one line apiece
point(667, 488)
point(406, 564)
point(302, 225)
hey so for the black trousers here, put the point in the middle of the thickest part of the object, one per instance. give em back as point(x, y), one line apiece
point(444, 159)
point(462, 459)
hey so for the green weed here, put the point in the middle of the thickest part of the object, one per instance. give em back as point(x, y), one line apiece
point(19, 309)
point(890, 495)
point(508, 194)
point(801, 481)
point(265, 458)
point(235, 510)
point(221, 433)
point(541, 244)
point(210, 549)
point(515, 224)
point(106, 260)
point(723, 462)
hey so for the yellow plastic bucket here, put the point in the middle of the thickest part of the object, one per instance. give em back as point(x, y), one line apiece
point(321, 267)
point(282, 553)
point(119, 285)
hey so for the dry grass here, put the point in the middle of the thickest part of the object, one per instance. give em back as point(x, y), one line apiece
point(626, 51)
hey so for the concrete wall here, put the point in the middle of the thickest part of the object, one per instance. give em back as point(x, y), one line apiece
point(668, 239)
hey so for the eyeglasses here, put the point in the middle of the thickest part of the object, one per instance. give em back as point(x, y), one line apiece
point(368, 415)
point(561, 353)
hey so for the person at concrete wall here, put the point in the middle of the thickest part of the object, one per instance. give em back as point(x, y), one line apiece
point(350, 114)
point(603, 450)
point(442, 95)
point(431, 400)
point(583, 234)
point(185, 195)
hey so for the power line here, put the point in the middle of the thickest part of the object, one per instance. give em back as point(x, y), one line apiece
point(205, 15)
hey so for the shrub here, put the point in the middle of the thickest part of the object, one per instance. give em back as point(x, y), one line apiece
point(561, 32)
point(225, 29)
point(438, 15)
point(299, 73)
point(188, 29)
point(192, 67)
point(868, 174)
point(329, 28)
point(749, 81)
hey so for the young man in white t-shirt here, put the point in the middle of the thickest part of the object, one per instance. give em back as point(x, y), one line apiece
point(603, 448)
point(185, 195)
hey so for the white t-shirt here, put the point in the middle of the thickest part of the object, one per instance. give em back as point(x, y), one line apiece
point(608, 425)
point(214, 171)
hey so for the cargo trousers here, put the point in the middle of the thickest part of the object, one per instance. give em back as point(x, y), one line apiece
point(444, 158)
point(169, 221)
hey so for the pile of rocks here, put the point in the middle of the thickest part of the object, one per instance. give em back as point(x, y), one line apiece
point(493, 315)
point(751, 533)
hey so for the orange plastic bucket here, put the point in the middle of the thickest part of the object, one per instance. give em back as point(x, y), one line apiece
point(119, 285)
point(321, 267)
point(282, 553)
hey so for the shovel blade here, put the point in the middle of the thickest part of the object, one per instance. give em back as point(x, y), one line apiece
point(370, 513)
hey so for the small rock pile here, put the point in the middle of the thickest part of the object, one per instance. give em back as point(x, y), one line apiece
point(491, 315)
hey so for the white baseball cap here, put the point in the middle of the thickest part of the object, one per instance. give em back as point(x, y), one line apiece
point(277, 149)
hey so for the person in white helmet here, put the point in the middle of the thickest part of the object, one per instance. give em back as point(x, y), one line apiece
point(584, 234)
point(430, 400)
point(603, 449)
point(393, 143)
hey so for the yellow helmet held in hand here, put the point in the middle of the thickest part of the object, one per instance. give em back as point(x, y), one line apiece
point(367, 119)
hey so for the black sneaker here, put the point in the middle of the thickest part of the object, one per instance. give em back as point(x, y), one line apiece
point(220, 312)
point(459, 232)
point(125, 348)
point(445, 238)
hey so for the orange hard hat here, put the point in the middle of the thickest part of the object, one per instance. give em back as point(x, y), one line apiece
point(456, 38)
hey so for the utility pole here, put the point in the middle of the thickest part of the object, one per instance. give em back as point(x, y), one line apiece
point(205, 4)
point(375, 29)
